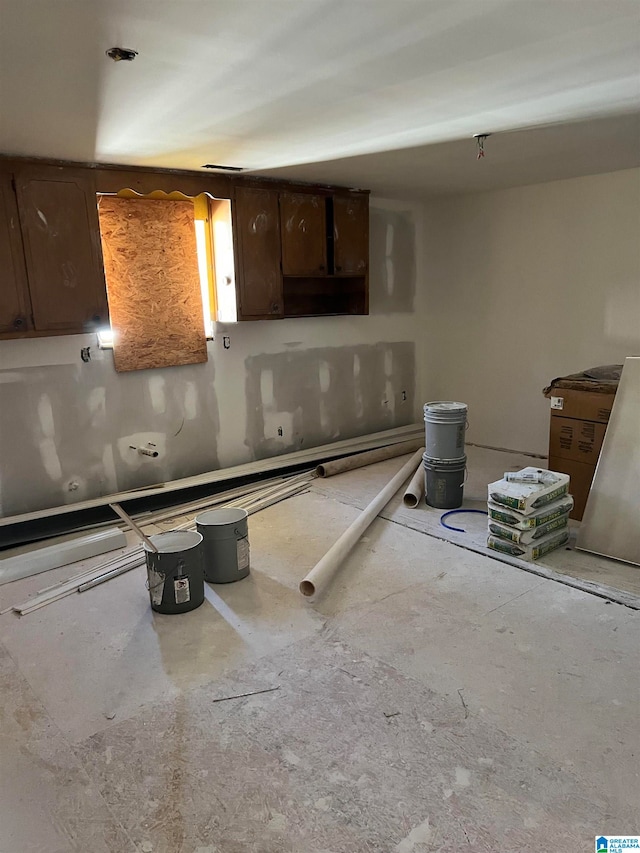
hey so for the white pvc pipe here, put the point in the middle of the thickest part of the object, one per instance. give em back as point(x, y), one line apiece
point(323, 572)
point(415, 489)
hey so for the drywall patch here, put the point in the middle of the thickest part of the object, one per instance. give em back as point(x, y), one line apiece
point(324, 374)
point(190, 401)
point(392, 267)
point(50, 459)
point(96, 404)
point(45, 416)
point(357, 388)
point(157, 395)
point(326, 394)
point(266, 387)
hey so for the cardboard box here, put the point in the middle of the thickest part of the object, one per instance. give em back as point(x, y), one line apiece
point(584, 405)
point(581, 476)
point(579, 440)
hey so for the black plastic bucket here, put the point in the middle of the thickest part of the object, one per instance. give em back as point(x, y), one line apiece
point(444, 481)
point(174, 574)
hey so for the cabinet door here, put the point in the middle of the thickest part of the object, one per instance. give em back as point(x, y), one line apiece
point(61, 234)
point(15, 308)
point(257, 235)
point(303, 231)
point(351, 234)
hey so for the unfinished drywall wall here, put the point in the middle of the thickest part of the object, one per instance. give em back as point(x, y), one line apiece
point(525, 285)
point(71, 430)
point(314, 396)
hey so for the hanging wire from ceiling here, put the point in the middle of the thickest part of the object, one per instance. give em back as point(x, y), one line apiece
point(480, 139)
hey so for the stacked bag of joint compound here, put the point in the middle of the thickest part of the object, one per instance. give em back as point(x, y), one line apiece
point(529, 513)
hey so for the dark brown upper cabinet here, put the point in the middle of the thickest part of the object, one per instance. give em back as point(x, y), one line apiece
point(351, 234)
point(299, 250)
point(61, 235)
point(256, 229)
point(15, 306)
point(325, 262)
point(303, 232)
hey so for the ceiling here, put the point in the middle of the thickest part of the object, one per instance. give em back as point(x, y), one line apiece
point(512, 158)
point(384, 94)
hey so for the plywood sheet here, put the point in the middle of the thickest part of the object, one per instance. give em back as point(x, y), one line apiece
point(610, 525)
point(151, 266)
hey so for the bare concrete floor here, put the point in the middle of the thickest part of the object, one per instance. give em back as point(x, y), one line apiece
point(433, 700)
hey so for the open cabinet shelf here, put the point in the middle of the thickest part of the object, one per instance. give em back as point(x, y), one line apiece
point(313, 296)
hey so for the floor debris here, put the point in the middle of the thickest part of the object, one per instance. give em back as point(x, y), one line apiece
point(464, 704)
point(243, 695)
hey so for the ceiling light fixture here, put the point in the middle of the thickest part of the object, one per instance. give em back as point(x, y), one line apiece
point(121, 53)
point(224, 168)
point(480, 140)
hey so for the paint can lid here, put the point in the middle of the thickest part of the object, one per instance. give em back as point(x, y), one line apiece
point(445, 406)
point(174, 541)
point(221, 517)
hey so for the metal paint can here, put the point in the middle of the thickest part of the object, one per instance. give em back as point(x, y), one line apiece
point(226, 544)
point(175, 576)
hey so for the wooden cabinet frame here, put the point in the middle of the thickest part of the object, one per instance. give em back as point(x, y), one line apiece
point(15, 302)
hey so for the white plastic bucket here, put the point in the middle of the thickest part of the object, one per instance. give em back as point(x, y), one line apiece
point(445, 426)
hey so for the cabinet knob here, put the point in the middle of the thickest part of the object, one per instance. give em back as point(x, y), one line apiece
point(275, 308)
point(96, 318)
point(19, 323)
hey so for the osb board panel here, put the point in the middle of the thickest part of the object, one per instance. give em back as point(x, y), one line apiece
point(151, 267)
